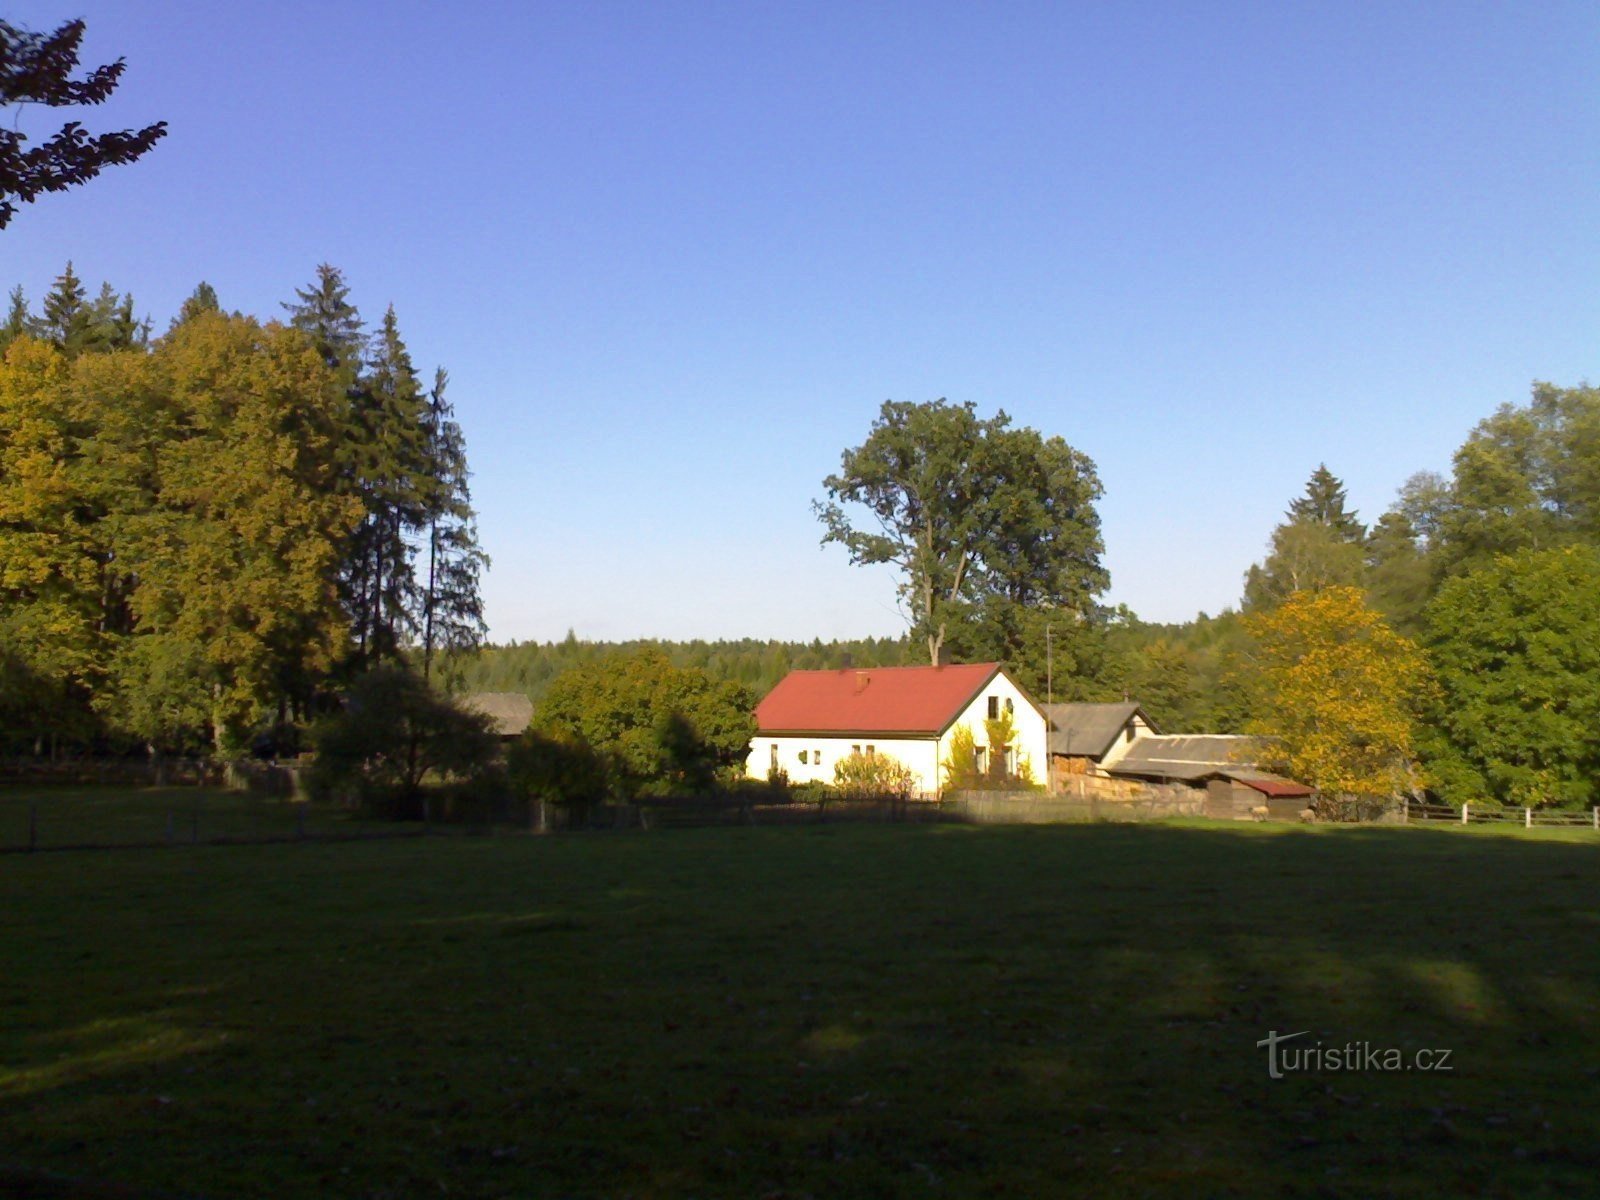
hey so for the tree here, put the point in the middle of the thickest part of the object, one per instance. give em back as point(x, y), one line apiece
point(202, 300)
point(660, 729)
point(1324, 504)
point(68, 320)
point(393, 733)
point(19, 321)
point(1336, 691)
point(553, 770)
point(37, 68)
point(1527, 478)
point(988, 525)
point(1515, 645)
point(238, 554)
point(452, 606)
point(1304, 556)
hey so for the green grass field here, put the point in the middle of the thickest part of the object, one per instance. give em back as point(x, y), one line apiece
point(834, 1011)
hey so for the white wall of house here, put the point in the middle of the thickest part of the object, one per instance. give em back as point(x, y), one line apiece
point(925, 756)
point(822, 754)
point(1031, 740)
point(1135, 728)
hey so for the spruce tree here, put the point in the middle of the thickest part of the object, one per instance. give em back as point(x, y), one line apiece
point(19, 321)
point(202, 300)
point(68, 318)
point(395, 484)
point(325, 313)
point(1324, 504)
point(452, 607)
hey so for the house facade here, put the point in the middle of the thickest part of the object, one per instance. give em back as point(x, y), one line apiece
point(1084, 737)
point(813, 719)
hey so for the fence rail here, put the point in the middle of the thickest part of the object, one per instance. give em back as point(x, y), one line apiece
point(1484, 814)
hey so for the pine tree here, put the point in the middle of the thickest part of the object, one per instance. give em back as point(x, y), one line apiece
point(19, 321)
point(202, 300)
point(326, 314)
point(1324, 504)
point(68, 318)
point(112, 325)
point(392, 474)
point(452, 607)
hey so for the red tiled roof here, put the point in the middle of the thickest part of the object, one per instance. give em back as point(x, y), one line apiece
point(913, 700)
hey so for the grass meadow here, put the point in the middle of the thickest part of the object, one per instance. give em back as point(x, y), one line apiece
point(830, 1011)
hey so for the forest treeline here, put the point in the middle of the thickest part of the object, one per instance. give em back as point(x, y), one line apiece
point(206, 534)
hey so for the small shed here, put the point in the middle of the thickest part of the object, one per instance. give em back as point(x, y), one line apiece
point(510, 712)
point(1082, 736)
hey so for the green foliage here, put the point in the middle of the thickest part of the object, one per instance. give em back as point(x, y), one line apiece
point(1515, 645)
point(552, 770)
point(961, 771)
point(1324, 504)
point(530, 667)
point(393, 733)
point(861, 776)
point(660, 729)
point(988, 525)
point(37, 68)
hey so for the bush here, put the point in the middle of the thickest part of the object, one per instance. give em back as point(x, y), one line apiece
point(394, 732)
point(553, 770)
point(873, 777)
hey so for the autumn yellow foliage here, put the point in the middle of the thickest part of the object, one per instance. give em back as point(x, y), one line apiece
point(1336, 689)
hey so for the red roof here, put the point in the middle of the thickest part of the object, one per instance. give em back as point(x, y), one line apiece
point(913, 700)
point(1278, 788)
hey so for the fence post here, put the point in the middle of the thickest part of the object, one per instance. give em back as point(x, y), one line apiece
point(1405, 811)
point(1527, 818)
point(1597, 817)
point(1463, 813)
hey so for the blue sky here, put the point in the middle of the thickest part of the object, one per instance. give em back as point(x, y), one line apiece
point(675, 256)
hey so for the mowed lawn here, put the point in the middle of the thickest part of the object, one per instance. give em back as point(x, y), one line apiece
point(832, 1011)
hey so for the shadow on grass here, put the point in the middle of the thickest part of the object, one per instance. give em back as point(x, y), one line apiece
point(838, 1011)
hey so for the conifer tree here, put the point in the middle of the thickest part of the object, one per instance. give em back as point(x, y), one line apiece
point(19, 321)
point(1324, 504)
point(452, 607)
point(68, 318)
point(202, 300)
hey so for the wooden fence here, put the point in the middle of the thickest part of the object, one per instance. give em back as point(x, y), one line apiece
point(1487, 814)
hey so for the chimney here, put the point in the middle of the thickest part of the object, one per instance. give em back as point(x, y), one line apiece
point(862, 679)
point(846, 661)
point(944, 656)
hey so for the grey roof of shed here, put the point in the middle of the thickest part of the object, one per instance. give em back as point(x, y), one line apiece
point(1088, 730)
point(1187, 756)
point(510, 711)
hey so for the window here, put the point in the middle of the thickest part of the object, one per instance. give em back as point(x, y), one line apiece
point(994, 707)
point(980, 758)
point(774, 756)
point(871, 750)
point(1011, 760)
point(1010, 707)
point(855, 749)
point(802, 758)
point(816, 756)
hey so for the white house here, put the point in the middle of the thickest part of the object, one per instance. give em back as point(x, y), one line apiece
point(812, 719)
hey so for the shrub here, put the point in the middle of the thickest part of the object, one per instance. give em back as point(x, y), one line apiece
point(873, 777)
point(394, 732)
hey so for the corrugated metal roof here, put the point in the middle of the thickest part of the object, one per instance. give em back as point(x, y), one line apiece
point(1087, 730)
point(914, 700)
point(1269, 784)
point(1186, 756)
point(510, 711)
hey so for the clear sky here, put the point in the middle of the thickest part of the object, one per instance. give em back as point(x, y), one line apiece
point(675, 256)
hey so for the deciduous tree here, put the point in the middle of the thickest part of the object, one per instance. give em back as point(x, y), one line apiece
point(1515, 644)
point(1336, 690)
point(37, 68)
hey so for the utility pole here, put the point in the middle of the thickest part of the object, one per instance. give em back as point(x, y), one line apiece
point(1049, 668)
